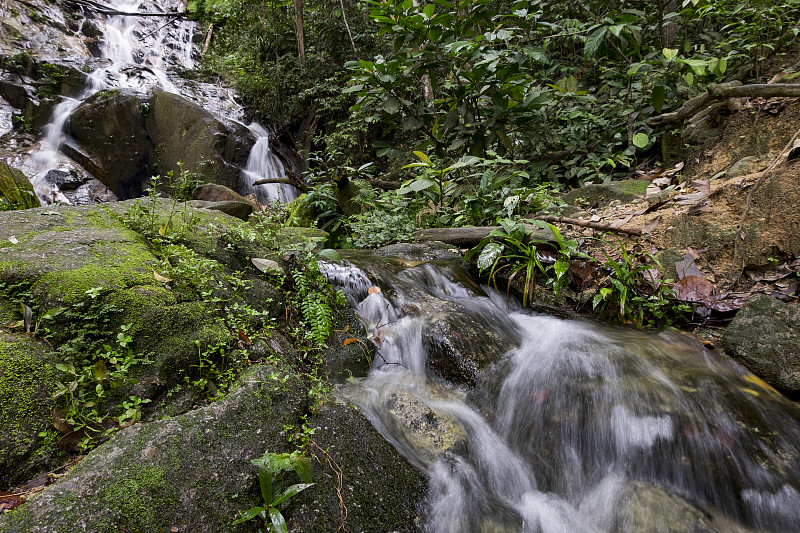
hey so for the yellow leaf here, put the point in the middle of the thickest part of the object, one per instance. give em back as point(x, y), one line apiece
point(423, 157)
point(755, 380)
point(351, 340)
point(751, 391)
point(160, 278)
point(162, 230)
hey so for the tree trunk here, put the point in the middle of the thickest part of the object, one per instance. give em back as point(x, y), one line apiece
point(301, 38)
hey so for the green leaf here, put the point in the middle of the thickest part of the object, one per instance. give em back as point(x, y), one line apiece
point(489, 254)
point(265, 481)
point(429, 10)
point(423, 157)
point(303, 468)
point(249, 514)
point(658, 97)
point(291, 491)
point(593, 42)
point(698, 66)
point(278, 522)
point(640, 140)
point(421, 184)
point(671, 54)
point(561, 266)
point(689, 77)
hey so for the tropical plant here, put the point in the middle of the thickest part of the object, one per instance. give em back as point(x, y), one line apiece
point(271, 469)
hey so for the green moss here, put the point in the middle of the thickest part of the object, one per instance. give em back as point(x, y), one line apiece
point(138, 497)
point(598, 195)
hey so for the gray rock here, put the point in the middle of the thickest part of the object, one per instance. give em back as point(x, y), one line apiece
point(765, 336)
point(648, 508)
point(211, 192)
point(600, 195)
point(421, 251)
point(241, 210)
point(63, 180)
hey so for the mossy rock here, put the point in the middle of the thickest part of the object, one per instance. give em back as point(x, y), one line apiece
point(300, 214)
point(16, 192)
point(27, 382)
point(191, 471)
point(764, 336)
point(600, 195)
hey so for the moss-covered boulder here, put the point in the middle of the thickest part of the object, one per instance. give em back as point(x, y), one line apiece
point(193, 472)
point(299, 213)
point(765, 336)
point(16, 192)
point(27, 382)
point(599, 195)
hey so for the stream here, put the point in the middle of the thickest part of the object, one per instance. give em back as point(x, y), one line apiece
point(564, 425)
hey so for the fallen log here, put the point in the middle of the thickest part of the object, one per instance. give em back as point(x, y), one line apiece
point(588, 224)
point(469, 237)
point(302, 187)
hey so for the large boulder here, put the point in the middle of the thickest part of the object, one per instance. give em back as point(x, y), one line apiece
point(27, 382)
point(131, 136)
point(193, 472)
point(765, 336)
point(182, 131)
point(110, 125)
point(16, 192)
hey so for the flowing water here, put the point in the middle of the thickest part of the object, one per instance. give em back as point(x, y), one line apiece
point(578, 427)
point(142, 54)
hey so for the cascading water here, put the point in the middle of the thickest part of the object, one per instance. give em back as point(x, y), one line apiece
point(138, 53)
point(577, 427)
point(263, 164)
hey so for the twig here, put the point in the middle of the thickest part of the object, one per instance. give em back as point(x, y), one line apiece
point(339, 484)
point(587, 224)
point(739, 233)
point(207, 42)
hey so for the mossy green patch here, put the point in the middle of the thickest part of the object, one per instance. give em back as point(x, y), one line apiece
point(138, 497)
point(599, 195)
point(27, 382)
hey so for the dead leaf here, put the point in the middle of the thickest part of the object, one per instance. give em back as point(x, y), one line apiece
point(703, 188)
point(621, 222)
point(374, 290)
point(700, 209)
point(13, 240)
point(687, 267)
point(160, 278)
point(242, 335)
point(674, 170)
point(60, 423)
point(275, 346)
point(694, 289)
point(651, 226)
point(349, 341)
point(582, 273)
point(266, 265)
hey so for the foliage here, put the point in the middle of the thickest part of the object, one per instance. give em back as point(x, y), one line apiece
point(95, 362)
point(271, 469)
point(633, 291)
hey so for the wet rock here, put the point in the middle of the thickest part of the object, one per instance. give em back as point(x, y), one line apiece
point(350, 351)
point(212, 192)
point(183, 131)
point(110, 126)
point(300, 214)
point(63, 179)
point(381, 491)
point(90, 193)
point(27, 382)
point(241, 210)
point(16, 192)
point(424, 251)
point(428, 429)
point(650, 508)
point(90, 29)
point(764, 336)
point(600, 195)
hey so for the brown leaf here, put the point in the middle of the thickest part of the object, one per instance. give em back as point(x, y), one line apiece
point(160, 278)
point(374, 290)
point(582, 273)
point(700, 209)
point(349, 341)
point(60, 423)
point(703, 190)
point(694, 289)
point(686, 267)
point(242, 335)
point(651, 226)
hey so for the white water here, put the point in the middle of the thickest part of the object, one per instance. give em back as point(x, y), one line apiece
point(581, 428)
point(138, 54)
point(263, 164)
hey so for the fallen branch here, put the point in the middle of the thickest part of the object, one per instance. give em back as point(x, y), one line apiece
point(207, 42)
point(587, 224)
point(105, 10)
point(689, 108)
point(283, 181)
point(469, 237)
point(763, 90)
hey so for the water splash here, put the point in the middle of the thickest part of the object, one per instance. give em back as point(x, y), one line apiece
point(580, 428)
point(263, 164)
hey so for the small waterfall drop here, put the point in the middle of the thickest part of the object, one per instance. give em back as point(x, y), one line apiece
point(577, 427)
point(263, 164)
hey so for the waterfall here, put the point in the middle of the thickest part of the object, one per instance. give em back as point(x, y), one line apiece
point(570, 426)
point(263, 164)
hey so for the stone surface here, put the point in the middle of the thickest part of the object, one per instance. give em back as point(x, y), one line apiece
point(765, 336)
point(649, 508)
point(16, 192)
point(27, 382)
point(600, 195)
point(211, 192)
point(240, 210)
